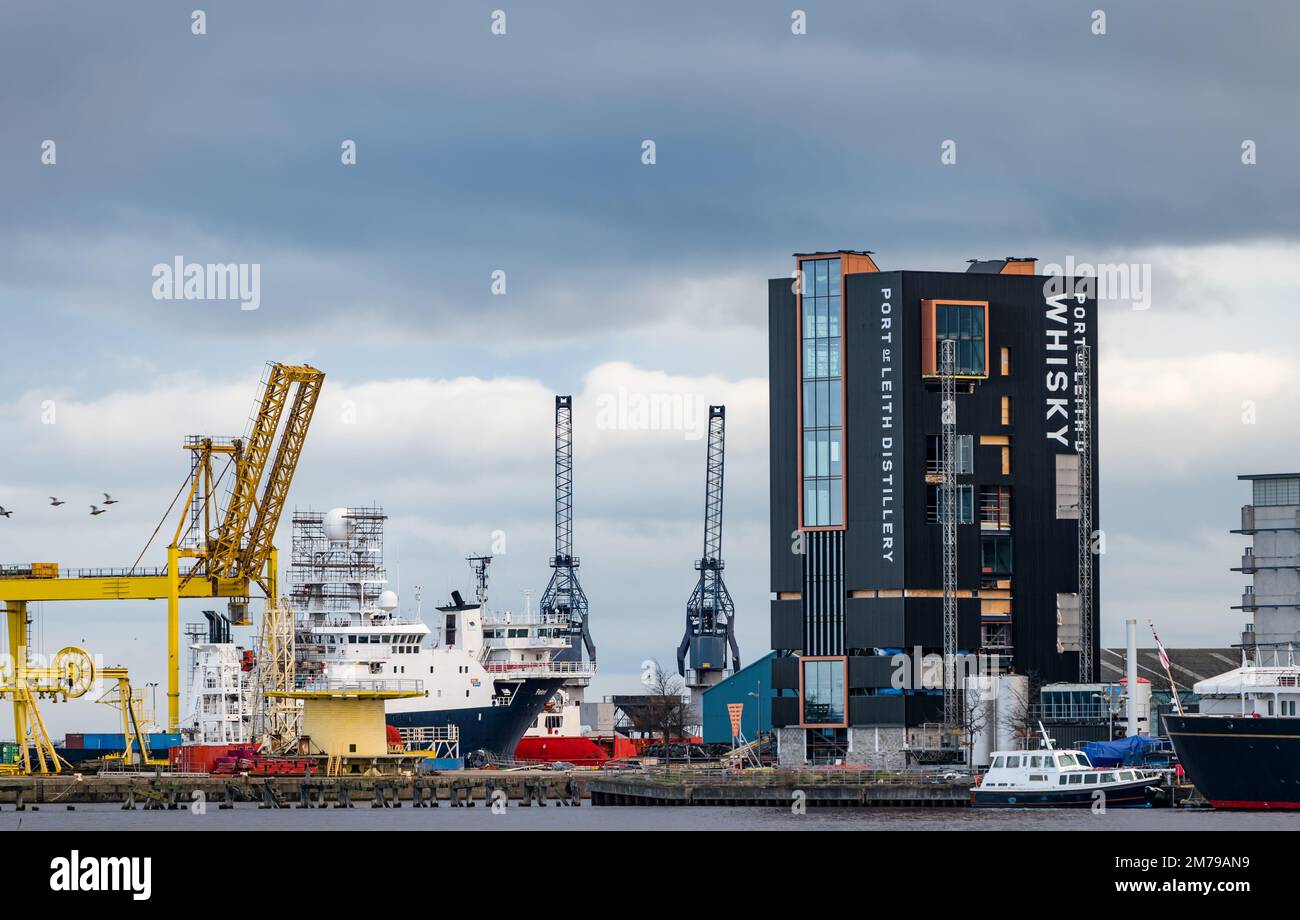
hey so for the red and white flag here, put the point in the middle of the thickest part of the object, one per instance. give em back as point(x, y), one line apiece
point(1164, 659)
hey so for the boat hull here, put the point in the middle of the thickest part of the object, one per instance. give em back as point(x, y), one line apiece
point(1240, 762)
point(489, 728)
point(1136, 794)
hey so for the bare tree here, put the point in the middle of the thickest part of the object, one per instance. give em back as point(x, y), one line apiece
point(976, 714)
point(665, 711)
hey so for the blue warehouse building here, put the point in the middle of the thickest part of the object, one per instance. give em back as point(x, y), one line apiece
point(740, 687)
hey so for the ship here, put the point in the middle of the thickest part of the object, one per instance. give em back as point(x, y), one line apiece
point(475, 688)
point(1242, 749)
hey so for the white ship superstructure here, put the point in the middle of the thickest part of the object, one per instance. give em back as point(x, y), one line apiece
point(350, 633)
point(221, 685)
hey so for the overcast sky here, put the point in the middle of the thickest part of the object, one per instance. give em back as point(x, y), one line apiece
point(523, 153)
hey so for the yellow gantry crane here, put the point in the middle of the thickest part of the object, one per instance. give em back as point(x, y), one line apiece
point(130, 702)
point(68, 675)
point(223, 562)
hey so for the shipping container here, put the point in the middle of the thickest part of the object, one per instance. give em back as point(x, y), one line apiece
point(110, 742)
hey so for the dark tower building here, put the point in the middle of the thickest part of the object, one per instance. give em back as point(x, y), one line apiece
point(857, 493)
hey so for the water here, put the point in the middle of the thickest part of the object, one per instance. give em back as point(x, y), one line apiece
point(248, 816)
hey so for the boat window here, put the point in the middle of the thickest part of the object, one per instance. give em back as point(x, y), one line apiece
point(1082, 759)
point(1065, 760)
point(1037, 778)
point(1076, 779)
point(1108, 777)
point(998, 762)
point(1126, 775)
point(352, 639)
point(1013, 761)
point(1065, 778)
point(1090, 779)
point(1036, 761)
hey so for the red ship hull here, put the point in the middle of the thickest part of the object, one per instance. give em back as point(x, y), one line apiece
point(581, 751)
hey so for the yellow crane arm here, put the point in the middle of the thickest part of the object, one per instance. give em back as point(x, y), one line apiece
point(225, 556)
point(276, 490)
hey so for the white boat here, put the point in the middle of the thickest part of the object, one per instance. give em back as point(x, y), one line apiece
point(1050, 778)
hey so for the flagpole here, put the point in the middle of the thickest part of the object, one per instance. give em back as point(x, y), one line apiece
point(1164, 660)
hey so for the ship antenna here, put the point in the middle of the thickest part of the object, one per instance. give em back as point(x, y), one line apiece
point(480, 565)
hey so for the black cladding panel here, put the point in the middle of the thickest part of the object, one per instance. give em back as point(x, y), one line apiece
point(786, 566)
point(875, 371)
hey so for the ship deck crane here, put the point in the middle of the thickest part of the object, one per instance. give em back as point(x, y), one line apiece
point(225, 563)
point(710, 613)
point(564, 600)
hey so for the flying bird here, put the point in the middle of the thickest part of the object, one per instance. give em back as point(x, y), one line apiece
point(94, 510)
point(4, 513)
point(55, 502)
point(109, 500)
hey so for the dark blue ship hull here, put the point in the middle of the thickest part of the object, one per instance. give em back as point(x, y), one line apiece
point(489, 728)
point(1240, 761)
point(1136, 794)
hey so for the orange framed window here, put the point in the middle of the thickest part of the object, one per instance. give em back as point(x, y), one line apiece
point(1004, 360)
point(824, 692)
point(966, 323)
point(1006, 410)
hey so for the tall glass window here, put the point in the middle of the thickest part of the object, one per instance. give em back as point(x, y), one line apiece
point(823, 412)
point(823, 692)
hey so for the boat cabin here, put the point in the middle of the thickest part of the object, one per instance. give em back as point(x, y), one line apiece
point(1053, 769)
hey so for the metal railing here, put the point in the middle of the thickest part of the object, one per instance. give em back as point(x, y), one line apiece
point(363, 686)
point(543, 668)
point(25, 571)
point(838, 776)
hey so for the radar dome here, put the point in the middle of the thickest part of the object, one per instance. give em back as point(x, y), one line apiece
point(388, 600)
point(339, 528)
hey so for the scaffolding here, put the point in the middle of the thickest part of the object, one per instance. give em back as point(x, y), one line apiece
point(277, 719)
point(1083, 444)
point(331, 580)
point(948, 514)
point(337, 575)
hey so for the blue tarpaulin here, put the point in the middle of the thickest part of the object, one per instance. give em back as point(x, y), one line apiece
point(1124, 752)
